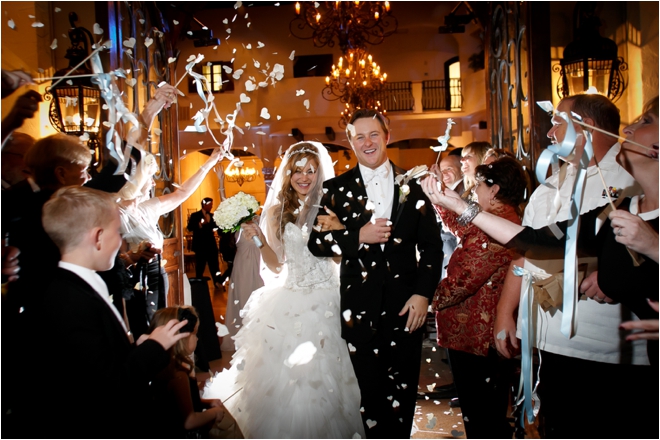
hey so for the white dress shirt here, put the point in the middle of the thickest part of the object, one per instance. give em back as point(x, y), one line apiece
point(97, 283)
point(379, 184)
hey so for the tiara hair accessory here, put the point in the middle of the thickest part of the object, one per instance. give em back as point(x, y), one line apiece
point(302, 150)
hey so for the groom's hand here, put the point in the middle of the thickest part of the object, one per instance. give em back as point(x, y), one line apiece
point(416, 308)
point(378, 232)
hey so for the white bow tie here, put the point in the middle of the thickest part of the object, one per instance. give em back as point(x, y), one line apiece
point(368, 174)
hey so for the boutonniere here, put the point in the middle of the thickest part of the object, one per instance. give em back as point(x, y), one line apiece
point(403, 179)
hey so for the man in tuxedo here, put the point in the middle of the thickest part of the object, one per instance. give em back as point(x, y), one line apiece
point(203, 227)
point(385, 291)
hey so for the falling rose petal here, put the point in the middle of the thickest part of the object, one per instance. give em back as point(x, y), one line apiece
point(250, 86)
point(142, 21)
point(419, 204)
point(300, 92)
point(171, 60)
point(84, 137)
point(260, 45)
point(225, 21)
point(347, 315)
point(245, 99)
point(249, 46)
point(302, 355)
point(130, 43)
point(351, 348)
point(293, 55)
point(279, 117)
point(58, 10)
point(37, 24)
point(131, 82)
point(98, 30)
point(175, 22)
point(11, 24)
point(264, 113)
point(148, 41)
point(261, 133)
point(53, 45)
point(237, 74)
point(336, 249)
point(371, 423)
point(395, 404)
point(306, 103)
point(222, 329)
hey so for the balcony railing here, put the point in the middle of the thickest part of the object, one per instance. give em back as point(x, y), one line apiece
point(435, 96)
point(398, 96)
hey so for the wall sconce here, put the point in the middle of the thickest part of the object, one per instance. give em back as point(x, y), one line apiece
point(76, 103)
point(590, 60)
point(240, 174)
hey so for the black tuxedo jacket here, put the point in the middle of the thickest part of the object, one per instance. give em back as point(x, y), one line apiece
point(203, 237)
point(97, 381)
point(376, 283)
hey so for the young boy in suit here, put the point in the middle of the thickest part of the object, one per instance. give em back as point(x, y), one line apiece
point(99, 380)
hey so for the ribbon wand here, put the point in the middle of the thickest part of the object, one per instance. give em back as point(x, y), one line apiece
point(444, 139)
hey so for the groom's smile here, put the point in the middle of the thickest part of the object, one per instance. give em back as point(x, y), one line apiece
point(369, 142)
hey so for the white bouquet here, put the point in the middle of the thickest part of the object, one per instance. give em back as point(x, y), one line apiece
point(236, 210)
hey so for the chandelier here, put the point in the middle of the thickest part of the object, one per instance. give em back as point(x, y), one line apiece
point(240, 174)
point(355, 24)
point(356, 81)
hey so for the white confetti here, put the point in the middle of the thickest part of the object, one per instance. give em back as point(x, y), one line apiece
point(175, 22)
point(131, 43)
point(148, 41)
point(250, 86)
point(37, 24)
point(245, 99)
point(351, 129)
point(171, 60)
point(371, 423)
point(336, 249)
point(419, 204)
point(329, 314)
point(351, 348)
point(302, 355)
point(58, 10)
point(293, 55)
point(395, 404)
point(264, 113)
point(53, 45)
point(300, 92)
point(249, 46)
point(222, 329)
point(260, 45)
point(501, 335)
point(11, 24)
point(306, 103)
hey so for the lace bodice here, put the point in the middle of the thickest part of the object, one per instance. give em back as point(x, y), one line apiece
point(305, 271)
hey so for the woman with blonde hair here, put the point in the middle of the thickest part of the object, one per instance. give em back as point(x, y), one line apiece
point(293, 374)
point(472, 156)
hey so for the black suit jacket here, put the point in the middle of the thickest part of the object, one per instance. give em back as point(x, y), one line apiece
point(98, 381)
point(377, 282)
point(203, 237)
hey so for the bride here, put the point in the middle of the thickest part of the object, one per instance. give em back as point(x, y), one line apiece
point(291, 366)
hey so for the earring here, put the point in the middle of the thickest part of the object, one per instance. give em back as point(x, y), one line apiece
point(491, 202)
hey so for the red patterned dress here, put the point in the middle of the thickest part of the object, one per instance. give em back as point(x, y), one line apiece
point(467, 298)
point(465, 303)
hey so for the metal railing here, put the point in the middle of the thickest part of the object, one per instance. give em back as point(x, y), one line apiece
point(435, 96)
point(397, 96)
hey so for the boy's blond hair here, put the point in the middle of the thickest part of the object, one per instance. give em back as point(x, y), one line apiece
point(73, 211)
point(54, 151)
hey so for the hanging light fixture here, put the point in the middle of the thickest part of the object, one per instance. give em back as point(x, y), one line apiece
point(240, 174)
point(590, 60)
point(352, 23)
point(76, 103)
point(357, 81)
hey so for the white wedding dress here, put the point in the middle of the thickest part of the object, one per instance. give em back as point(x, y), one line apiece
point(292, 368)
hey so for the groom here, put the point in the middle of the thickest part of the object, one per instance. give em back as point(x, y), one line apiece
point(385, 291)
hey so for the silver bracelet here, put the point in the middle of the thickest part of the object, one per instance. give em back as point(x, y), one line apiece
point(469, 214)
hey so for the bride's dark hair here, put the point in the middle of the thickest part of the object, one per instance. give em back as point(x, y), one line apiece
point(291, 206)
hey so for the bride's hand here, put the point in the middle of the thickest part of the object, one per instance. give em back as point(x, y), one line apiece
point(251, 229)
point(329, 222)
point(443, 197)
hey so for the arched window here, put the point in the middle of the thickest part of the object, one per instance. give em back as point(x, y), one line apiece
point(453, 93)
